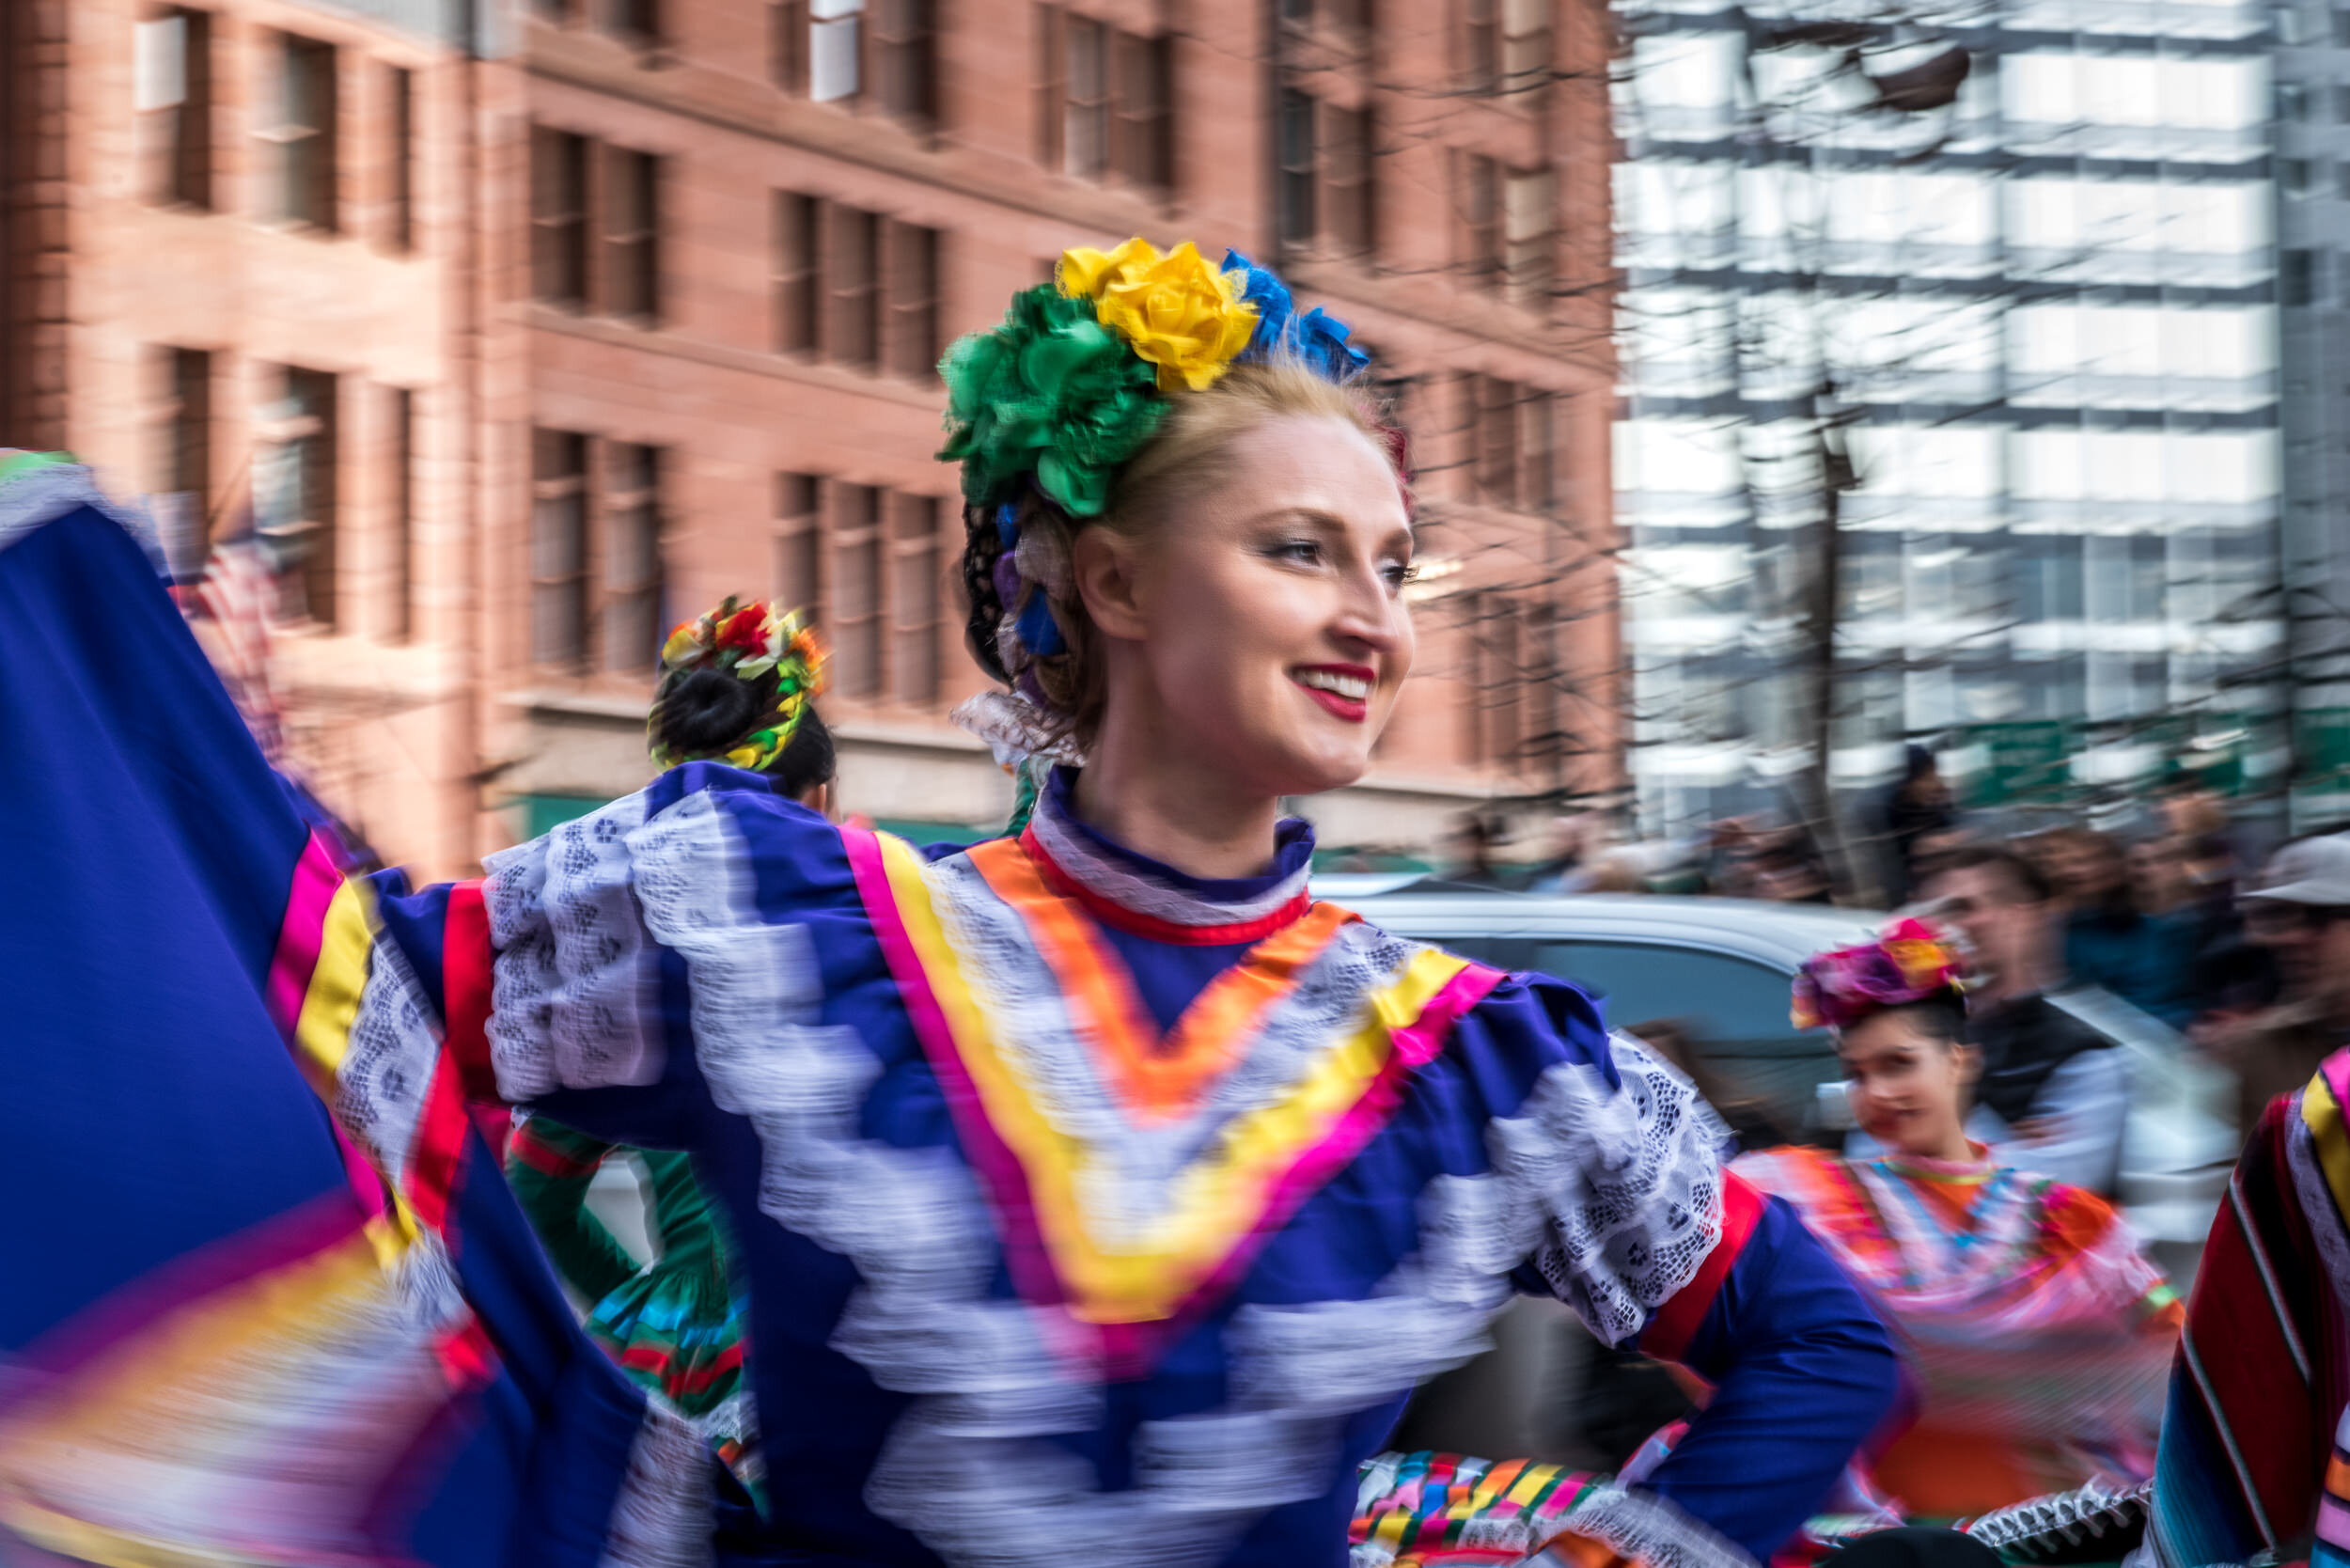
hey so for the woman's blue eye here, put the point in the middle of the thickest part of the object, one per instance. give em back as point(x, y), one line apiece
point(1298, 550)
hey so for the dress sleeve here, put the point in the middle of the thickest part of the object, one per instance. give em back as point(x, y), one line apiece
point(565, 977)
point(1645, 1235)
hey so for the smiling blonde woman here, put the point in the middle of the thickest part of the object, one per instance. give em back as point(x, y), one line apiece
point(1101, 1193)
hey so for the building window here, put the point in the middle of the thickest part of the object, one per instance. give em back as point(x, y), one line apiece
point(629, 607)
point(558, 549)
point(400, 159)
point(905, 45)
point(636, 21)
point(854, 289)
point(2341, 103)
point(799, 542)
point(2293, 100)
point(1513, 443)
point(558, 217)
point(631, 235)
point(913, 597)
point(2341, 30)
point(1105, 101)
point(1349, 211)
point(184, 459)
point(1480, 34)
point(1298, 220)
point(295, 488)
point(1142, 142)
point(854, 611)
point(1085, 116)
point(2297, 281)
point(1481, 219)
point(1525, 44)
point(303, 133)
point(2341, 180)
point(402, 622)
point(1299, 11)
point(911, 298)
point(1495, 671)
point(172, 92)
point(797, 280)
point(2295, 176)
point(835, 50)
point(1528, 225)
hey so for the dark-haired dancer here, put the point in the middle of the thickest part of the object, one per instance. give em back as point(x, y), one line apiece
point(1101, 1195)
point(2037, 1334)
point(676, 1323)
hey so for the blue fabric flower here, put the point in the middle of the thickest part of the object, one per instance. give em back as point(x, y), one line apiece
point(1316, 337)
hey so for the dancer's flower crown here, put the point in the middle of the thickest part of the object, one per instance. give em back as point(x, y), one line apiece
point(747, 641)
point(1078, 375)
point(1908, 963)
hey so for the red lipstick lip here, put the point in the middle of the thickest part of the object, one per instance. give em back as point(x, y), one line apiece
point(1353, 710)
point(1346, 708)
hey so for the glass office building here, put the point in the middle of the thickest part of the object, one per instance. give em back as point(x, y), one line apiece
point(2040, 320)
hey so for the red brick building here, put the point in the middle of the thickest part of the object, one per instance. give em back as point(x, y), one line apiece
point(243, 266)
point(680, 343)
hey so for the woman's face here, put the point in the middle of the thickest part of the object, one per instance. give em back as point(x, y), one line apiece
point(1908, 1089)
point(1267, 613)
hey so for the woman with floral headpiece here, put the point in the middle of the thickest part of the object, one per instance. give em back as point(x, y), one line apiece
point(1100, 1194)
point(2038, 1334)
point(738, 685)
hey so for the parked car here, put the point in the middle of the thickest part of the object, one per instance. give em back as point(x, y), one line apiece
point(1721, 969)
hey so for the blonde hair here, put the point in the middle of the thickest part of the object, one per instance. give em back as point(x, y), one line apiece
point(1189, 455)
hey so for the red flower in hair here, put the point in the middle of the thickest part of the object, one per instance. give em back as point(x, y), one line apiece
point(745, 631)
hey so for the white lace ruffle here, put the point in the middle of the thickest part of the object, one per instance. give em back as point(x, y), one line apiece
point(576, 990)
point(387, 1066)
point(1624, 1185)
point(663, 1514)
point(1016, 728)
point(50, 491)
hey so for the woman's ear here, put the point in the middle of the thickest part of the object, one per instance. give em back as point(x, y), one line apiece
point(1970, 1063)
point(1103, 564)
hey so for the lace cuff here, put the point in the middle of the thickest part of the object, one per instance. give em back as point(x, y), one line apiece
point(1627, 1182)
point(576, 983)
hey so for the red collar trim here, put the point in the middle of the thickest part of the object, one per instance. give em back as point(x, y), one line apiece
point(1135, 923)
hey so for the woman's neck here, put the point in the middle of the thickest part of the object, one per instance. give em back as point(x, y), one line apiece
point(1952, 1148)
point(1175, 807)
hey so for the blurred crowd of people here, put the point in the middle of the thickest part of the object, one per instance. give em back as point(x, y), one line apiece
point(2185, 919)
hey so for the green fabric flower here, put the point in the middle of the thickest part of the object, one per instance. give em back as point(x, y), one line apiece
point(1051, 395)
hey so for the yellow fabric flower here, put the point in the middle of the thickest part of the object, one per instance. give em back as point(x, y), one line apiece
point(1177, 311)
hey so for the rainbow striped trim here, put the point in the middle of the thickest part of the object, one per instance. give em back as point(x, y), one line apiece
point(1229, 1200)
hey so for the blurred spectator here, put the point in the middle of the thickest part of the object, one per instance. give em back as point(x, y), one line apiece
point(1615, 872)
point(1785, 866)
point(1574, 842)
point(1472, 842)
point(1914, 808)
point(2110, 938)
point(2054, 1092)
point(2301, 918)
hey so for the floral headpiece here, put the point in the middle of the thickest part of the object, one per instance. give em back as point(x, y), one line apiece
point(1048, 406)
point(747, 641)
point(1843, 985)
